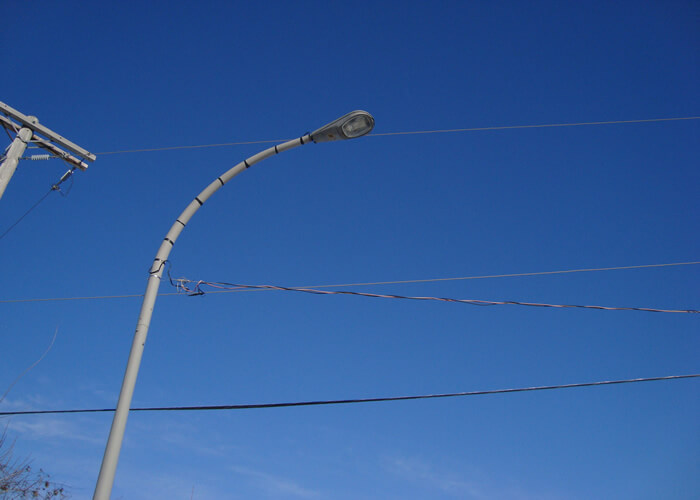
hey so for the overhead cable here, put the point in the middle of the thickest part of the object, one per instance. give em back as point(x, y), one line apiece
point(512, 275)
point(196, 146)
point(358, 400)
point(415, 132)
point(547, 125)
point(53, 339)
point(25, 214)
point(54, 187)
point(369, 283)
point(182, 284)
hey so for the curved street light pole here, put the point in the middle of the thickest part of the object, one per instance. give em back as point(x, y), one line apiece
point(354, 124)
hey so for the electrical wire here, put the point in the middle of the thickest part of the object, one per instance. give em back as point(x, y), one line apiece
point(369, 283)
point(512, 275)
point(358, 400)
point(547, 125)
point(54, 187)
point(29, 368)
point(92, 297)
point(182, 284)
point(196, 146)
point(25, 214)
point(416, 132)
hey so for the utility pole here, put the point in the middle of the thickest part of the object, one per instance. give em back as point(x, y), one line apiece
point(28, 129)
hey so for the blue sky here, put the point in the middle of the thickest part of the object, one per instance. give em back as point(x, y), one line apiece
point(137, 75)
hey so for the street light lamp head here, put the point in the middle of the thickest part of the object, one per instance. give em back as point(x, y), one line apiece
point(354, 124)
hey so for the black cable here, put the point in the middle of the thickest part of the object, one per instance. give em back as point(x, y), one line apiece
point(431, 280)
point(54, 187)
point(26, 213)
point(414, 132)
point(181, 284)
point(361, 400)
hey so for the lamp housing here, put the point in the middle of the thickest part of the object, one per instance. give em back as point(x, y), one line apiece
point(354, 124)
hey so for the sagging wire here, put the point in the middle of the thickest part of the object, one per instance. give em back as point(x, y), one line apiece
point(53, 339)
point(368, 283)
point(326, 402)
point(412, 132)
point(179, 283)
point(54, 187)
point(193, 288)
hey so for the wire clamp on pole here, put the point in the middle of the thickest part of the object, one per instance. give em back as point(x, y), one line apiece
point(157, 266)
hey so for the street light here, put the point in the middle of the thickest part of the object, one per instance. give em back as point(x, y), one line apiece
point(354, 124)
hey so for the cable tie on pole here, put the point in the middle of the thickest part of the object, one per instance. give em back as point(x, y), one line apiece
point(160, 266)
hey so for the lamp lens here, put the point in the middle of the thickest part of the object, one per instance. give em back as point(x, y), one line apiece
point(357, 126)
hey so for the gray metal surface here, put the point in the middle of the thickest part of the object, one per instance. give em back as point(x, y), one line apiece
point(33, 123)
point(14, 153)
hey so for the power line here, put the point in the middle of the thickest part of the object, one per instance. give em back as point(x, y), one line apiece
point(54, 187)
point(358, 400)
point(28, 369)
point(25, 214)
point(92, 297)
point(548, 125)
point(415, 132)
point(512, 275)
point(181, 284)
point(196, 146)
point(369, 283)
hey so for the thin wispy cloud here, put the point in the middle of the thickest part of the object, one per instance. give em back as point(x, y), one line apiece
point(275, 484)
point(470, 485)
point(14, 405)
point(448, 483)
point(54, 429)
point(185, 440)
point(27, 402)
point(185, 485)
point(108, 396)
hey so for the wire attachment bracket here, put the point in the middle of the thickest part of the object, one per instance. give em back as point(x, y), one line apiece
point(64, 178)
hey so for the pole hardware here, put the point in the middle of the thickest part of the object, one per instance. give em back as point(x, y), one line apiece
point(28, 129)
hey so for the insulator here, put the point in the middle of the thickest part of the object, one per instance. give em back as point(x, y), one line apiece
point(40, 157)
point(66, 175)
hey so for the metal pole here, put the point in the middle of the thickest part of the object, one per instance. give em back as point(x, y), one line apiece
point(105, 480)
point(14, 153)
